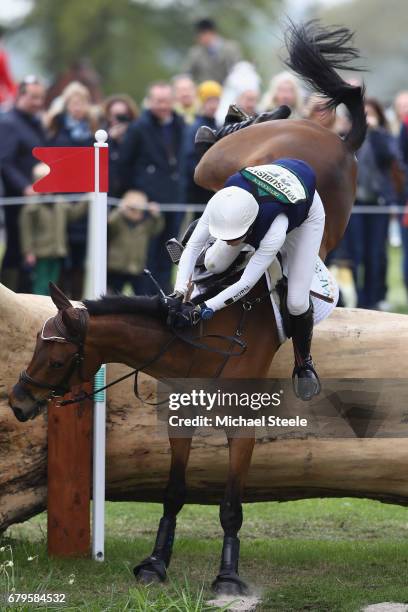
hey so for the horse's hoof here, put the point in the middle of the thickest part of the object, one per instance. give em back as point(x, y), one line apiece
point(150, 571)
point(147, 576)
point(229, 585)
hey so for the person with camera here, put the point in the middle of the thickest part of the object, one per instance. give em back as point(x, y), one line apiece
point(119, 110)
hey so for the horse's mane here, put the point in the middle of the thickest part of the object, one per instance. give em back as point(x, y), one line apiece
point(123, 304)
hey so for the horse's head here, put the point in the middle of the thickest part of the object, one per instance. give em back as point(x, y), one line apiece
point(58, 360)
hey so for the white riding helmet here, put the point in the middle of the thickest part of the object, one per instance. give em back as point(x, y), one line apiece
point(232, 210)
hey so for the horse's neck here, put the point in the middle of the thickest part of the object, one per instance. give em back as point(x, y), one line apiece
point(136, 340)
point(133, 340)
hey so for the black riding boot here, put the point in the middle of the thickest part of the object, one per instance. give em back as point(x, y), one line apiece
point(306, 382)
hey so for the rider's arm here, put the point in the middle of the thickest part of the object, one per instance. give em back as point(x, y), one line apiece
point(257, 265)
point(193, 248)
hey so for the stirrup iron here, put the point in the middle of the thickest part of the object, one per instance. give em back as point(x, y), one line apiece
point(307, 386)
point(175, 249)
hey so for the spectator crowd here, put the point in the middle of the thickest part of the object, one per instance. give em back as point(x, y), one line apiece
point(152, 158)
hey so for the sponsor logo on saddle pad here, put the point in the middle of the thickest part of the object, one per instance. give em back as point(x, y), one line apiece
point(278, 181)
point(323, 285)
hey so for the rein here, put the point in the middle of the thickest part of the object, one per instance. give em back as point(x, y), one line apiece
point(62, 388)
point(176, 336)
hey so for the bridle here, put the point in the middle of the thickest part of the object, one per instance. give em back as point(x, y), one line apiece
point(63, 386)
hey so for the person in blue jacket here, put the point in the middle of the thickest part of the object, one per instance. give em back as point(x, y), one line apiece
point(151, 160)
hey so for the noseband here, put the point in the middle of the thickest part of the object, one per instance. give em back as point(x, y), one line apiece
point(63, 387)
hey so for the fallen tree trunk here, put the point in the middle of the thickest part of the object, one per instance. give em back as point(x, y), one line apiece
point(351, 344)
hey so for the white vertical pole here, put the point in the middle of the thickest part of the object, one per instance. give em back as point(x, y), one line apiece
point(98, 266)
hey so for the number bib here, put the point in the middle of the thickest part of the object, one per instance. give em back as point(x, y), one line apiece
point(277, 181)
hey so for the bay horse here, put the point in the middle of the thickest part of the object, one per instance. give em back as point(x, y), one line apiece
point(133, 330)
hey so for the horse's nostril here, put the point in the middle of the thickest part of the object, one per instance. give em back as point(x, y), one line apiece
point(19, 414)
point(19, 392)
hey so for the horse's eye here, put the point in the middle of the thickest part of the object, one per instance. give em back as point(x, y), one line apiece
point(57, 364)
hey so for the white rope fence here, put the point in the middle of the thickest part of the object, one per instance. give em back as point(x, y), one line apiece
point(392, 209)
point(74, 197)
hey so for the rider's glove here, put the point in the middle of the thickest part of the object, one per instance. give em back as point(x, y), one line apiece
point(173, 303)
point(191, 314)
point(187, 316)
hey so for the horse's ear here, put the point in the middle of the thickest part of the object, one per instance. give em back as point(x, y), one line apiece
point(58, 297)
point(72, 321)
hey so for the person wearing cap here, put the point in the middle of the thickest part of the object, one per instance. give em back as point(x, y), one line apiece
point(274, 207)
point(130, 228)
point(209, 91)
point(213, 56)
point(209, 94)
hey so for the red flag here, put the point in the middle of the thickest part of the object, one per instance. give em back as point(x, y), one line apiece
point(71, 169)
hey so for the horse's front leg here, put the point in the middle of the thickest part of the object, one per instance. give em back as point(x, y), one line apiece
point(153, 568)
point(228, 580)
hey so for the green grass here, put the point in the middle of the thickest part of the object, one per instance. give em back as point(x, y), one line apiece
point(397, 294)
point(324, 554)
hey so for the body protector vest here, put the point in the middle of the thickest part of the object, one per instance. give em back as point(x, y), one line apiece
point(285, 186)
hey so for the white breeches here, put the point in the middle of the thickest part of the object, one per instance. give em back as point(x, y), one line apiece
point(299, 251)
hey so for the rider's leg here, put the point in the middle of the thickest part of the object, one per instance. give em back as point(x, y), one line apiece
point(302, 248)
point(220, 256)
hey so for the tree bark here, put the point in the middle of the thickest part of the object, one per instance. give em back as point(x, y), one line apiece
point(353, 344)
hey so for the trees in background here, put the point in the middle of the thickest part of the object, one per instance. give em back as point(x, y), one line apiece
point(132, 42)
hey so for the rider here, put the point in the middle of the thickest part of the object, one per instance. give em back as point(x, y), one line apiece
point(273, 207)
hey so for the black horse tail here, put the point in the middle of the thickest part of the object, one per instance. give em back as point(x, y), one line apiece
point(315, 52)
